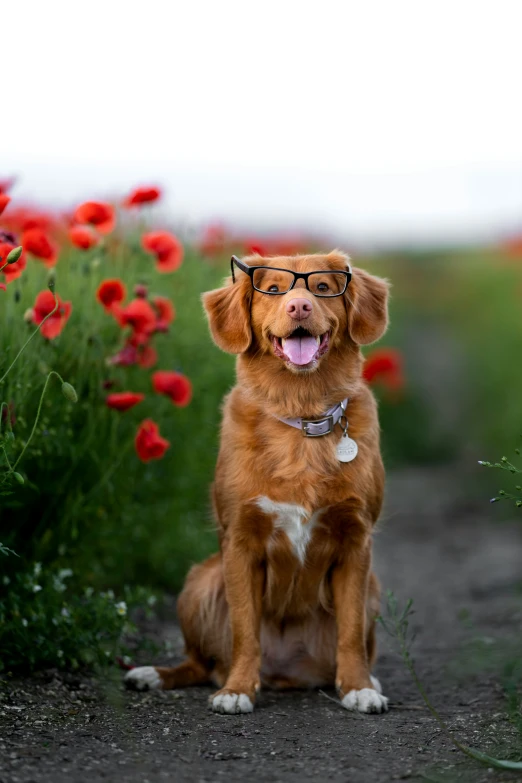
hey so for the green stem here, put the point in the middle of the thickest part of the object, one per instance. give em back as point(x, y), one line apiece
point(38, 412)
point(7, 460)
point(24, 346)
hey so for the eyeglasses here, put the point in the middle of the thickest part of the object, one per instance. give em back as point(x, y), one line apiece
point(276, 282)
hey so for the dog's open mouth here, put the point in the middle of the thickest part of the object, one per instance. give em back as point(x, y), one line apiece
point(301, 348)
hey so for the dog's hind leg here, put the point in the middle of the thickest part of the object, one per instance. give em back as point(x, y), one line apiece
point(203, 616)
point(190, 672)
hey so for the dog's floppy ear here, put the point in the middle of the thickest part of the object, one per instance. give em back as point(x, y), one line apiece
point(367, 307)
point(228, 313)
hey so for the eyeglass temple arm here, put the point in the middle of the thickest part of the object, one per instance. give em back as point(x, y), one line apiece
point(244, 267)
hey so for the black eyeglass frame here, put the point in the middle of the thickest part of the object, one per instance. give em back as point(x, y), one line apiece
point(249, 270)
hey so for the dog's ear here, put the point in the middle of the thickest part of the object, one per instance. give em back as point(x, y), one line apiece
point(367, 298)
point(228, 313)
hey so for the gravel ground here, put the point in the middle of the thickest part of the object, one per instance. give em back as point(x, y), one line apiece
point(433, 546)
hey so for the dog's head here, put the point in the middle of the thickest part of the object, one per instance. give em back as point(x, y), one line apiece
point(298, 329)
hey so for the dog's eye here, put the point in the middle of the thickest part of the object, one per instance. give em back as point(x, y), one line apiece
point(322, 287)
point(273, 289)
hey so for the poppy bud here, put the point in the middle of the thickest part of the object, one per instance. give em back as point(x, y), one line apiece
point(51, 280)
point(69, 392)
point(140, 291)
point(19, 478)
point(14, 255)
point(29, 315)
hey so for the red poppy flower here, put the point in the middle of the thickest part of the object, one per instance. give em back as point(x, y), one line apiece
point(166, 247)
point(174, 385)
point(8, 412)
point(11, 271)
point(43, 305)
point(143, 355)
point(110, 293)
point(6, 184)
point(98, 214)
point(141, 291)
point(122, 401)
point(143, 195)
point(36, 242)
point(149, 443)
point(165, 312)
point(126, 357)
point(214, 239)
point(384, 366)
point(140, 316)
point(24, 218)
point(4, 201)
point(254, 246)
point(83, 237)
point(147, 357)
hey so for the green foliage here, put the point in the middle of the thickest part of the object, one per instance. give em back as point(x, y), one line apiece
point(87, 500)
point(508, 466)
point(47, 621)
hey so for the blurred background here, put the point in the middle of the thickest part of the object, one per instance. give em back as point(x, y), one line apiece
point(392, 131)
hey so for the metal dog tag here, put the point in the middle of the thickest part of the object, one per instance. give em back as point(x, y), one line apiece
point(346, 449)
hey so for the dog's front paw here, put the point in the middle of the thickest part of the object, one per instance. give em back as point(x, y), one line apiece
point(365, 700)
point(229, 703)
point(143, 678)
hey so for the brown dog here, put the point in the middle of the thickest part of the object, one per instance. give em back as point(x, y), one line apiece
point(290, 600)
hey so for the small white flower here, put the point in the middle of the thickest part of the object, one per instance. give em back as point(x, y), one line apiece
point(37, 569)
point(151, 600)
point(6, 580)
point(89, 591)
point(24, 622)
point(110, 594)
point(58, 584)
point(59, 653)
point(37, 588)
point(65, 612)
point(121, 608)
point(63, 573)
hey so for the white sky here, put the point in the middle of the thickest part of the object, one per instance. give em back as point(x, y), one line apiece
point(379, 120)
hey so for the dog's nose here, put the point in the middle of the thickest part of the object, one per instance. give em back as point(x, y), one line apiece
point(299, 308)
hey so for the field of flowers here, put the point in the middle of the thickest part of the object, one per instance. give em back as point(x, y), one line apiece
point(110, 391)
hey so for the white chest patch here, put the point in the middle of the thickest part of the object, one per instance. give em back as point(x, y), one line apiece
point(294, 520)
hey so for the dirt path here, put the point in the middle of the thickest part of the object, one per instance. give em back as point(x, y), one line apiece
point(435, 547)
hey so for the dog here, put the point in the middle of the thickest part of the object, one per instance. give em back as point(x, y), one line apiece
point(290, 600)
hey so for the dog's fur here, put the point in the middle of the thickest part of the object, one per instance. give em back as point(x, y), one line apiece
point(290, 600)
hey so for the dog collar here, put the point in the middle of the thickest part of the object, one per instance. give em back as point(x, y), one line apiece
point(314, 428)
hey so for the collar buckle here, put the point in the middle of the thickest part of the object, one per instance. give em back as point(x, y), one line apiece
point(315, 428)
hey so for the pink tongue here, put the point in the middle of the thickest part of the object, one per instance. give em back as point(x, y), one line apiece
point(300, 350)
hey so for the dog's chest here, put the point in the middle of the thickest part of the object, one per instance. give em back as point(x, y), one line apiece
point(294, 521)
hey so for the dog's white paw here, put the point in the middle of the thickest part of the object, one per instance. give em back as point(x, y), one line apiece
point(142, 678)
point(365, 700)
point(231, 703)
